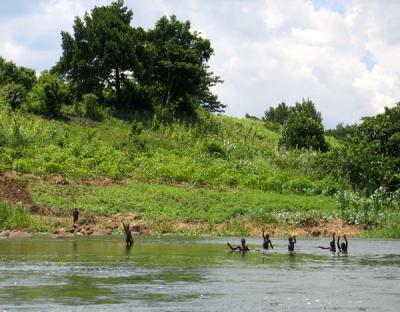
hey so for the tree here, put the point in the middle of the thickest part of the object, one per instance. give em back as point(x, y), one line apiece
point(307, 107)
point(48, 95)
point(302, 131)
point(180, 72)
point(370, 158)
point(11, 73)
point(102, 51)
point(280, 114)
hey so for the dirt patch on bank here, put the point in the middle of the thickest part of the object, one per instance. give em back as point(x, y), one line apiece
point(17, 194)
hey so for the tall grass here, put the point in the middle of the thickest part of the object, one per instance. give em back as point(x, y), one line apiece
point(213, 150)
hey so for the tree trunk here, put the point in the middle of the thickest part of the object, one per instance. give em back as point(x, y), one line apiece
point(118, 86)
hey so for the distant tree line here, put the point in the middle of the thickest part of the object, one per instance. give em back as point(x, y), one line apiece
point(161, 70)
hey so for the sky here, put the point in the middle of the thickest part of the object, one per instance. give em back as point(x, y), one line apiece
point(344, 55)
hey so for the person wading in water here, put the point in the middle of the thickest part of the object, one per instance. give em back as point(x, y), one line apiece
point(128, 233)
point(343, 246)
point(266, 241)
point(292, 241)
point(242, 247)
point(331, 244)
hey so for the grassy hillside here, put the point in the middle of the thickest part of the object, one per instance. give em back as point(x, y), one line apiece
point(217, 170)
point(215, 151)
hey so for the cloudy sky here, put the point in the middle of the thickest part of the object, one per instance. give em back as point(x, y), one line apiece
point(342, 54)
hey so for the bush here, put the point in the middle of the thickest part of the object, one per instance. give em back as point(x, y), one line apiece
point(214, 149)
point(47, 96)
point(14, 94)
point(91, 108)
point(302, 131)
point(136, 128)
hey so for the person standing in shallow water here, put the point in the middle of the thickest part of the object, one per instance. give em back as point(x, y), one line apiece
point(266, 241)
point(343, 246)
point(332, 246)
point(292, 241)
point(75, 215)
point(242, 247)
point(128, 233)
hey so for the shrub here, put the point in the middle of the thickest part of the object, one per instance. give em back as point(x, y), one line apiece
point(47, 96)
point(214, 149)
point(136, 128)
point(91, 108)
point(301, 131)
point(14, 94)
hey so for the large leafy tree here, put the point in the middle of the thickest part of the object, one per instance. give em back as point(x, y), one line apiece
point(370, 157)
point(101, 53)
point(180, 75)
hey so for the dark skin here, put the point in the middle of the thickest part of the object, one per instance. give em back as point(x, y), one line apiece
point(331, 244)
point(292, 241)
point(266, 241)
point(75, 215)
point(242, 247)
point(128, 233)
point(343, 246)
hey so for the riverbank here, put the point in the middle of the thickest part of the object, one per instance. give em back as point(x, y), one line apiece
point(41, 205)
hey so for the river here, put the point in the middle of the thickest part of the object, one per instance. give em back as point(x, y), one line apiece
point(196, 274)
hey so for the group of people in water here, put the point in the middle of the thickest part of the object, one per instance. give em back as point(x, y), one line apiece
point(342, 247)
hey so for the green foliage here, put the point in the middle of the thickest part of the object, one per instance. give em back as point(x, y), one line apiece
point(89, 108)
point(370, 159)
point(180, 73)
point(10, 73)
point(11, 218)
point(19, 218)
point(357, 208)
point(282, 112)
point(136, 128)
point(47, 96)
point(342, 132)
point(183, 203)
point(14, 94)
point(301, 131)
point(101, 49)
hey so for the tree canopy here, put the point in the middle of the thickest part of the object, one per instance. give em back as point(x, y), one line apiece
point(168, 63)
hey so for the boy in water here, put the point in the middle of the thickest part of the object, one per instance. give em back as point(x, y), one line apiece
point(343, 246)
point(266, 241)
point(128, 233)
point(332, 245)
point(242, 247)
point(292, 241)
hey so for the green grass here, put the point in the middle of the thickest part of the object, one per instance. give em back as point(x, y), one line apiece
point(182, 203)
point(216, 150)
point(19, 218)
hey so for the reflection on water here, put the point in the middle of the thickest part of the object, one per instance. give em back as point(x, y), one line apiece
point(181, 274)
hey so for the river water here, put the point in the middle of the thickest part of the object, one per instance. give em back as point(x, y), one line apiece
point(196, 274)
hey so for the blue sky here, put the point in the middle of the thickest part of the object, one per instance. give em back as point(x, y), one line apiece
point(344, 55)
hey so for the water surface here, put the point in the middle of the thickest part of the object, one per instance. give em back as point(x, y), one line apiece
point(183, 274)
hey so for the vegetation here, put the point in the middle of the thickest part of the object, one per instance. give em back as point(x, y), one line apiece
point(135, 105)
point(164, 68)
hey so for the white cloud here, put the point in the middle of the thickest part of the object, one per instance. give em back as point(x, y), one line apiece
point(266, 51)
